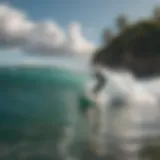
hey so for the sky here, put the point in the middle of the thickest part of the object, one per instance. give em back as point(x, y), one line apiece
point(49, 27)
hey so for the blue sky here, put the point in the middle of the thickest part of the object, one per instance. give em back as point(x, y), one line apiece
point(94, 15)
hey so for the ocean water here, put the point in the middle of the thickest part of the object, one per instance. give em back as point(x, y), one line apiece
point(133, 118)
point(40, 117)
point(39, 111)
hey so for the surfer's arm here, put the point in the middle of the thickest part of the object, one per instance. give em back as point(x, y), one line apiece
point(101, 82)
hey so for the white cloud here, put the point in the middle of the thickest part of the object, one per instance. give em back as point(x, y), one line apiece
point(46, 37)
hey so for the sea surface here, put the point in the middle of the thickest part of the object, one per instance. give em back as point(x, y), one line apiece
point(39, 109)
point(40, 117)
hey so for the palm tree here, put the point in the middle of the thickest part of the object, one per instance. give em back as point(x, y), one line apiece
point(107, 36)
point(156, 13)
point(121, 22)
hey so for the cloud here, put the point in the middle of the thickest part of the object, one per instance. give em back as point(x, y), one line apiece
point(46, 37)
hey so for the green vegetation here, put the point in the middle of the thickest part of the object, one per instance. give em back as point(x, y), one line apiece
point(151, 152)
point(136, 47)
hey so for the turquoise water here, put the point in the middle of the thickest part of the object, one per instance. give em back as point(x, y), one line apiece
point(36, 104)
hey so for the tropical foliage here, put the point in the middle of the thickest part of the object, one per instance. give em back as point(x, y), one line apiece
point(135, 47)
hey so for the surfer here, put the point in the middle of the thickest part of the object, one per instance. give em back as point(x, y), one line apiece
point(89, 100)
point(92, 109)
point(99, 126)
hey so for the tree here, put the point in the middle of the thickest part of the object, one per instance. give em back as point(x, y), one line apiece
point(156, 13)
point(107, 36)
point(121, 22)
point(137, 48)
